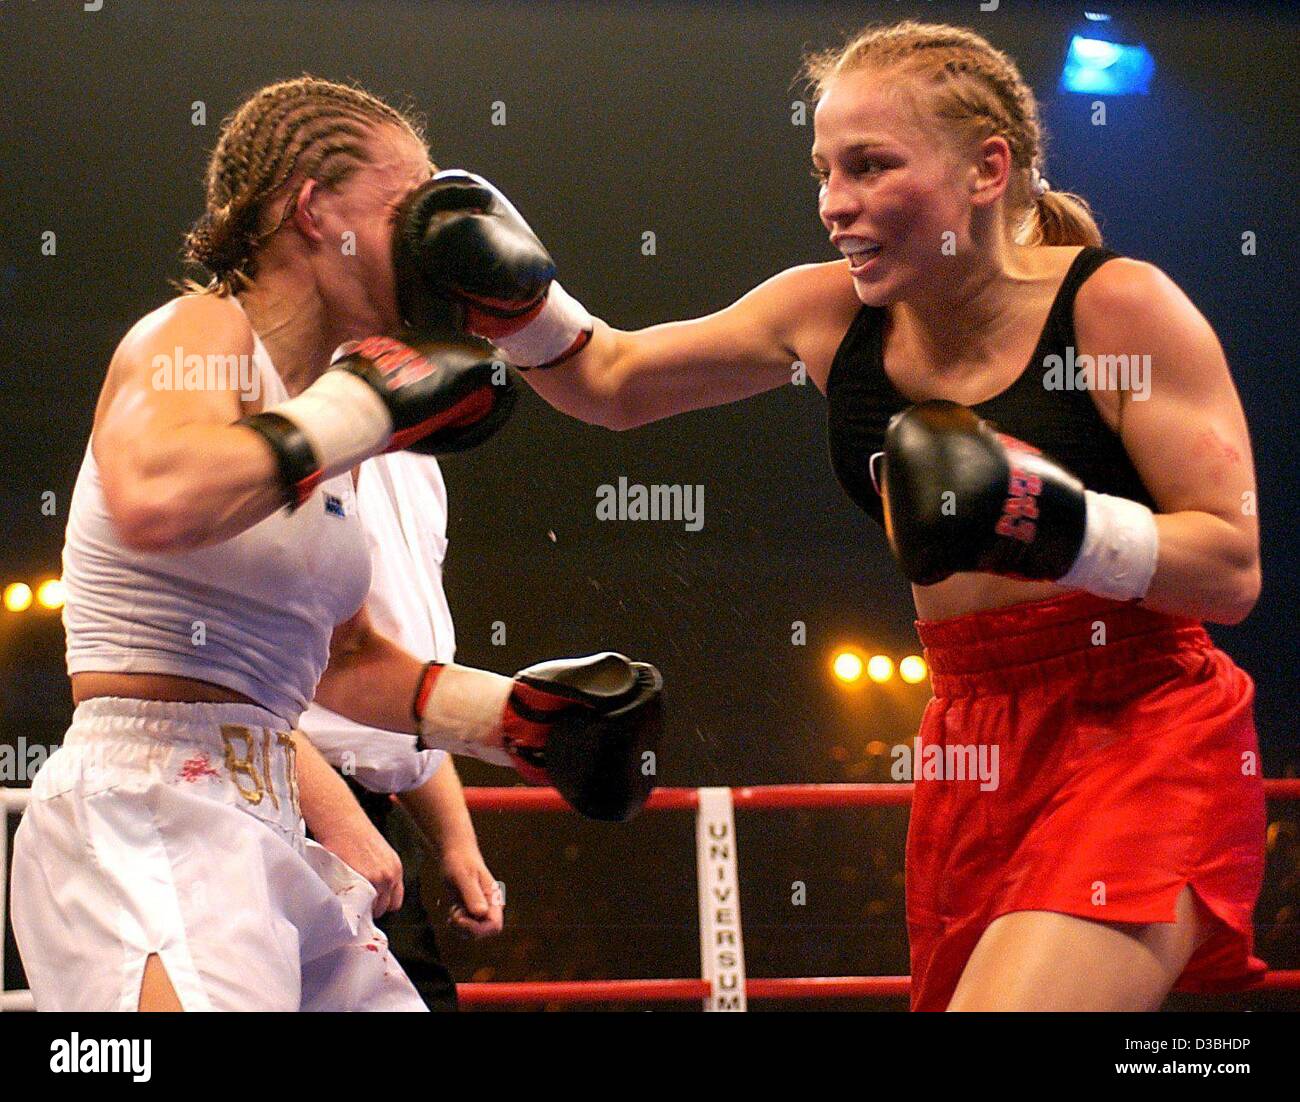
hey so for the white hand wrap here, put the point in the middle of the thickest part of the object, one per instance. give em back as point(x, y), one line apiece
point(343, 418)
point(1120, 548)
point(463, 714)
point(558, 329)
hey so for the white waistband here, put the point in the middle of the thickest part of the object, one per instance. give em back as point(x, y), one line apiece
point(172, 721)
point(238, 754)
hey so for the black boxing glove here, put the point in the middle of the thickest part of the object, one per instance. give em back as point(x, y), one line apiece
point(434, 396)
point(959, 496)
point(465, 258)
point(589, 726)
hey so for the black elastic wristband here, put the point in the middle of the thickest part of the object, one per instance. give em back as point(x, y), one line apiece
point(299, 469)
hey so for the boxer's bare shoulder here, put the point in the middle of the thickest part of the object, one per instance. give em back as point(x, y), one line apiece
point(821, 303)
point(202, 324)
point(189, 325)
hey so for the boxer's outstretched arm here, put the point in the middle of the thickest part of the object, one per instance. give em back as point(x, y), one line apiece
point(1186, 435)
point(465, 254)
point(588, 725)
point(370, 679)
point(625, 379)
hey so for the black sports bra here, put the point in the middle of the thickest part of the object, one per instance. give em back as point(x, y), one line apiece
point(1065, 423)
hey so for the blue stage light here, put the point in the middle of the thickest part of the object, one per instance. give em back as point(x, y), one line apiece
point(1096, 66)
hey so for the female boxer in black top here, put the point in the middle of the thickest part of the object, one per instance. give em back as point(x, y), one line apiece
point(1122, 850)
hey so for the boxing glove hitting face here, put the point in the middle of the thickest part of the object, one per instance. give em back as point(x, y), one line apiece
point(466, 259)
point(460, 246)
point(961, 497)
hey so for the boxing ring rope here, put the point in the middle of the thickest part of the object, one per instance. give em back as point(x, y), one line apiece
point(714, 803)
point(12, 800)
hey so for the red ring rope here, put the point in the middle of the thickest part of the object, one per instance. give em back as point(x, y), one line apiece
point(506, 993)
point(759, 797)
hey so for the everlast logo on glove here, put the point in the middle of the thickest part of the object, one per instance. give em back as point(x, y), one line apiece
point(959, 496)
point(1021, 507)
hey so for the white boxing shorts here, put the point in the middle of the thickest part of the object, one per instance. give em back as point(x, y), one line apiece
point(175, 829)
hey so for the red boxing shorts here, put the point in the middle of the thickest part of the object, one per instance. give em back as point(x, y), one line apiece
point(1087, 757)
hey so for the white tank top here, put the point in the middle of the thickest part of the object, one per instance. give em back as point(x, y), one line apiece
point(254, 613)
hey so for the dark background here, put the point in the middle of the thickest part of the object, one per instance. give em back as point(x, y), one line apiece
point(622, 119)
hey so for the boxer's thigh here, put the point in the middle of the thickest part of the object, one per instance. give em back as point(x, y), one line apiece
point(156, 991)
point(1043, 960)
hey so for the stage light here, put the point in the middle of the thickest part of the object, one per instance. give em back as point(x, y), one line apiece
point(49, 594)
point(18, 597)
point(912, 669)
point(1099, 62)
point(881, 668)
point(847, 666)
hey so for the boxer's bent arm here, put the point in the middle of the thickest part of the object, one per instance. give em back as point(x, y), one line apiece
point(177, 472)
point(1188, 440)
point(625, 379)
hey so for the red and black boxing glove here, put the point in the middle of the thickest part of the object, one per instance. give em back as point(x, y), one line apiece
point(590, 726)
point(960, 496)
point(432, 395)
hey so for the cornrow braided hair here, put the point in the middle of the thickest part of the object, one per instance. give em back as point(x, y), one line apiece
point(310, 127)
point(977, 88)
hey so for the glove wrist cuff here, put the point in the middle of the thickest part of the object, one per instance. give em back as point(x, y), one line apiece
point(1121, 547)
point(294, 457)
point(560, 330)
point(461, 710)
point(342, 417)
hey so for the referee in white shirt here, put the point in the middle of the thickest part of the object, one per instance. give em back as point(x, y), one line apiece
point(402, 503)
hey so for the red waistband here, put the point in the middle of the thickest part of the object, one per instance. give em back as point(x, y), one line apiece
point(1035, 643)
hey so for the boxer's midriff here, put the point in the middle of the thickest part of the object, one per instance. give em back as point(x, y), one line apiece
point(153, 686)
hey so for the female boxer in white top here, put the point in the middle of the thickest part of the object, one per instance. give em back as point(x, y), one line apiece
point(162, 862)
